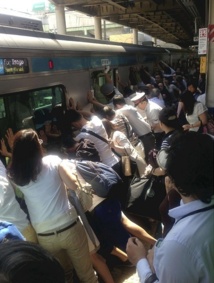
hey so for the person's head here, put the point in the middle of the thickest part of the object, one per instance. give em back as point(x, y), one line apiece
point(140, 100)
point(118, 101)
point(189, 101)
point(155, 92)
point(167, 80)
point(26, 262)
point(189, 164)
point(141, 87)
point(168, 119)
point(174, 76)
point(27, 155)
point(109, 113)
point(74, 118)
point(160, 86)
point(158, 78)
point(192, 86)
point(107, 89)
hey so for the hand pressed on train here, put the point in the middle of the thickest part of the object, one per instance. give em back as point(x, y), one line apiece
point(135, 250)
point(10, 137)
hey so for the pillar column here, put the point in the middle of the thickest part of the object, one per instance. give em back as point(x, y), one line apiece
point(210, 58)
point(97, 28)
point(135, 36)
point(60, 19)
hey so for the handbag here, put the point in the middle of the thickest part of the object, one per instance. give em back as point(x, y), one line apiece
point(126, 165)
point(140, 148)
point(139, 188)
point(145, 196)
point(84, 193)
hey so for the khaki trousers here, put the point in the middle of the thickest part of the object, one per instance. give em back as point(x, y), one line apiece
point(74, 242)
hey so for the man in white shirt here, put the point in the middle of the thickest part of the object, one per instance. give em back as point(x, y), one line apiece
point(100, 139)
point(150, 110)
point(186, 254)
point(138, 123)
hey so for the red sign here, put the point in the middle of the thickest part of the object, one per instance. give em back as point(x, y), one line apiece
point(211, 33)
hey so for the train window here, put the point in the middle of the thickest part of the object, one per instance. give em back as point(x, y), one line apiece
point(33, 108)
point(2, 109)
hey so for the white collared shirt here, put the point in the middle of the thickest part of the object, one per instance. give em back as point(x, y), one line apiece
point(187, 253)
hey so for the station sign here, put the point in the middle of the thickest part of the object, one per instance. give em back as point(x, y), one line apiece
point(9, 66)
point(202, 41)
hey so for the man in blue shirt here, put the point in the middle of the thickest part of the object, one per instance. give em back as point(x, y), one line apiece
point(186, 254)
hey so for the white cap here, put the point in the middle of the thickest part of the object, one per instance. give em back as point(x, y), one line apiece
point(138, 96)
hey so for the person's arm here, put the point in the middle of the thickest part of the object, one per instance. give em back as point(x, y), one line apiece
point(107, 76)
point(10, 137)
point(138, 256)
point(93, 100)
point(180, 107)
point(3, 150)
point(202, 121)
point(136, 230)
point(67, 176)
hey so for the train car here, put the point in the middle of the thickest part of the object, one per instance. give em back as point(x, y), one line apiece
point(39, 71)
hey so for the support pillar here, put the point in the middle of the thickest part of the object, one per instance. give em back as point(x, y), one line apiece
point(135, 36)
point(210, 58)
point(60, 19)
point(97, 28)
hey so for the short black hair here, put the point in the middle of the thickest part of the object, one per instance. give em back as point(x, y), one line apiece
point(168, 117)
point(26, 262)
point(193, 82)
point(72, 116)
point(119, 99)
point(190, 164)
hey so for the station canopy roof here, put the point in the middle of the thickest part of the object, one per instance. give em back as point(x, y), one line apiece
point(173, 21)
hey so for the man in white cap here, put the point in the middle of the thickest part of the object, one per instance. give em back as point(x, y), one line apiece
point(138, 123)
point(150, 111)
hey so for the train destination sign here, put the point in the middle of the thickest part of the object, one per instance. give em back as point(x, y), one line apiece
point(10, 66)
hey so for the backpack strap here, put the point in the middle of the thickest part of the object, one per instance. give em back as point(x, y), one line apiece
point(95, 135)
point(101, 138)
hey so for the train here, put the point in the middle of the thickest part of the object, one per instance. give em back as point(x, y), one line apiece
point(41, 70)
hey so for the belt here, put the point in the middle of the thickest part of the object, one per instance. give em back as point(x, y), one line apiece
point(59, 231)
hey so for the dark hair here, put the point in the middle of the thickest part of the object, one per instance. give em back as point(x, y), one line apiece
point(189, 101)
point(27, 155)
point(155, 92)
point(190, 164)
point(193, 82)
point(26, 262)
point(108, 111)
point(72, 116)
point(168, 117)
point(119, 99)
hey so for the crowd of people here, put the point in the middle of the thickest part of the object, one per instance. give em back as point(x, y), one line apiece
point(158, 121)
